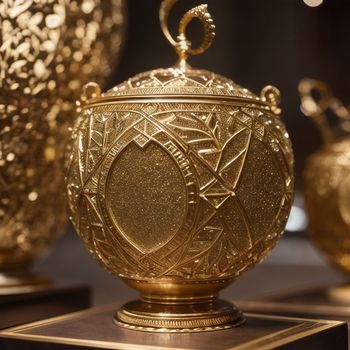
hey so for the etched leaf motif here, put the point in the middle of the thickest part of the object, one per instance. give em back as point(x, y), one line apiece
point(96, 138)
point(110, 130)
point(204, 248)
point(213, 145)
point(232, 159)
point(217, 240)
point(213, 124)
point(200, 131)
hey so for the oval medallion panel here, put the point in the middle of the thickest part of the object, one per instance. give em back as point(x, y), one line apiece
point(141, 183)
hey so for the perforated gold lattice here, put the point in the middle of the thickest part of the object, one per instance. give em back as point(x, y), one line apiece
point(48, 50)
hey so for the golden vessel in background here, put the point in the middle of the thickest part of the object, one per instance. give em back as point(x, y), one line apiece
point(327, 174)
point(48, 50)
point(178, 181)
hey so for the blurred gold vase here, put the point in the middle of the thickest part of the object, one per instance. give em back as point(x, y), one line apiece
point(327, 175)
point(179, 180)
point(48, 51)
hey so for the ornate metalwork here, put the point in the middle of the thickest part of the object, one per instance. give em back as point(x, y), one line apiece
point(183, 46)
point(48, 50)
point(178, 181)
point(326, 174)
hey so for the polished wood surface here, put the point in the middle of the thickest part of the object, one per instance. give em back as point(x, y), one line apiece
point(315, 302)
point(93, 329)
point(22, 308)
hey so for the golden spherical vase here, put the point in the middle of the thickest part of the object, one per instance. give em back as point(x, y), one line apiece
point(178, 180)
point(48, 51)
point(327, 176)
point(327, 200)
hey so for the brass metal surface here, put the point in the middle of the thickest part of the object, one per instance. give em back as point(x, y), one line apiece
point(195, 316)
point(327, 175)
point(178, 180)
point(48, 50)
point(38, 301)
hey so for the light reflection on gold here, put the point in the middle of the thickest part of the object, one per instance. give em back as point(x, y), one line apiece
point(44, 46)
point(32, 196)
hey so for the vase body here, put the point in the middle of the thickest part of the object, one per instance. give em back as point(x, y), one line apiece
point(48, 50)
point(326, 178)
point(327, 195)
point(178, 182)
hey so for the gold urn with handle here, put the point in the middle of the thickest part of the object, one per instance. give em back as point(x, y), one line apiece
point(179, 180)
point(48, 50)
point(327, 174)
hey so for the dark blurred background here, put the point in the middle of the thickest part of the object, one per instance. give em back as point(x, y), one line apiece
point(258, 42)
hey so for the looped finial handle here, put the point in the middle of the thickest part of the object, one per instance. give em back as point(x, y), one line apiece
point(316, 108)
point(183, 46)
point(272, 96)
point(90, 91)
point(310, 106)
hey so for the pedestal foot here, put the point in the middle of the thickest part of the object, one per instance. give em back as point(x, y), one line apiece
point(178, 317)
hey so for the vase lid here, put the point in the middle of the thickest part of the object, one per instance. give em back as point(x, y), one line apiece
point(182, 80)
